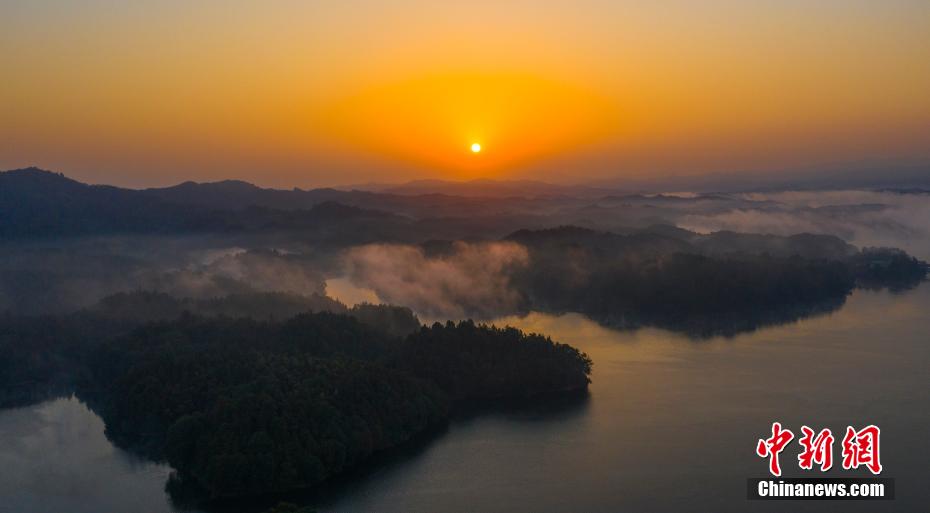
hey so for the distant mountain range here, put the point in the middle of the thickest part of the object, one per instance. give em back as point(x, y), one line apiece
point(38, 203)
point(485, 188)
point(59, 235)
point(864, 175)
point(35, 203)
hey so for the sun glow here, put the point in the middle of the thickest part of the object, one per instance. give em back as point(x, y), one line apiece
point(554, 90)
point(424, 120)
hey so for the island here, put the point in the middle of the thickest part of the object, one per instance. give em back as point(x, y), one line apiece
point(245, 407)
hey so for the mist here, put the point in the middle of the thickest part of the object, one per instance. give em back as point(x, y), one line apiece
point(863, 218)
point(442, 256)
point(467, 280)
point(73, 274)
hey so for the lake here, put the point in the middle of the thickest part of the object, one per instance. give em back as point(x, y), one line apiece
point(670, 424)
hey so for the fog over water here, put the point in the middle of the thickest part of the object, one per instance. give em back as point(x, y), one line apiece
point(670, 425)
point(466, 279)
point(672, 416)
point(863, 218)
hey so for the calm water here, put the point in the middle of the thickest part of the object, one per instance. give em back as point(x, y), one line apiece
point(670, 425)
point(54, 457)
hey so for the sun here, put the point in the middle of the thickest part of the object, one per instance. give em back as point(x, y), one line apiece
point(475, 148)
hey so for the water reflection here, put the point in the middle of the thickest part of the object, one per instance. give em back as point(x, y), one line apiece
point(698, 327)
point(55, 457)
point(669, 425)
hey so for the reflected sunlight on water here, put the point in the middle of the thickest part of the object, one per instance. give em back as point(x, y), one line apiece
point(663, 410)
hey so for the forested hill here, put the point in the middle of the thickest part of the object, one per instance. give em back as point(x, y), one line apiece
point(663, 240)
point(252, 407)
point(705, 285)
point(244, 407)
point(146, 306)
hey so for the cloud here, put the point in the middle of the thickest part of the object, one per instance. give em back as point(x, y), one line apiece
point(468, 280)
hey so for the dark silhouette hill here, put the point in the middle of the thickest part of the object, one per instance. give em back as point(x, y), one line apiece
point(39, 203)
point(236, 194)
point(34, 202)
point(663, 239)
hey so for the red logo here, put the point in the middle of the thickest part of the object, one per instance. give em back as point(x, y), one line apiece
point(860, 448)
point(817, 449)
point(773, 446)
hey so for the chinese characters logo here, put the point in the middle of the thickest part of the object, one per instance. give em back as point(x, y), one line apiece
point(859, 448)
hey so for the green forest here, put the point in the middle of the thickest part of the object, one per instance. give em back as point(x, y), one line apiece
point(247, 407)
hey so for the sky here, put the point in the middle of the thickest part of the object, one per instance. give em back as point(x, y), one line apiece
point(308, 93)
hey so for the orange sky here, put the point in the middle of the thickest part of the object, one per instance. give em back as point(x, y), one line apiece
point(288, 93)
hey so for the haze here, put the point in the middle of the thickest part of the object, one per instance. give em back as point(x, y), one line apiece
point(285, 93)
